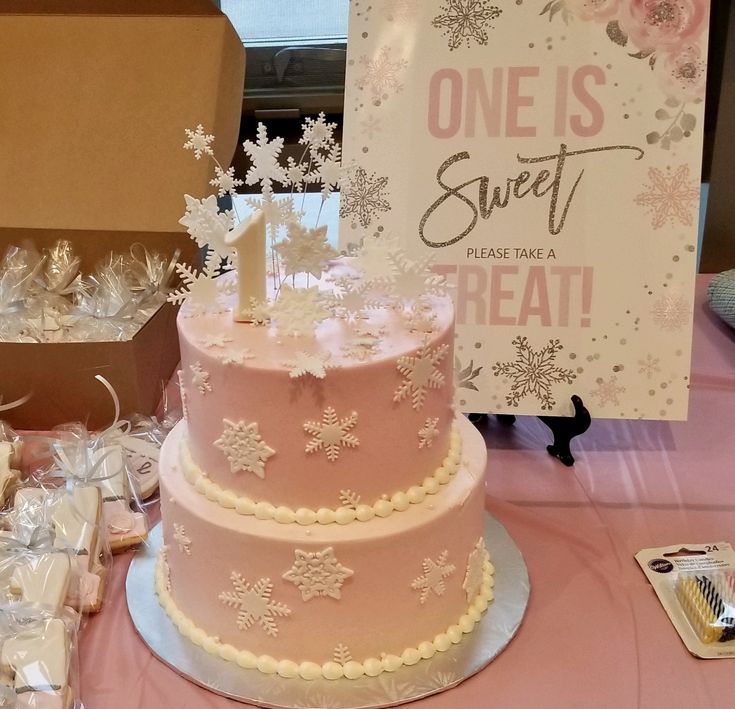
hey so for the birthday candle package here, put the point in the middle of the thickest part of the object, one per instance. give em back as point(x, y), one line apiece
point(696, 586)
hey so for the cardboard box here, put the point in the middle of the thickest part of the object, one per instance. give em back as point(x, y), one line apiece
point(96, 97)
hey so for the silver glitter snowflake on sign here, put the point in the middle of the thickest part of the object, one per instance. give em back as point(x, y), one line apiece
point(533, 373)
point(318, 573)
point(254, 604)
point(466, 21)
point(363, 197)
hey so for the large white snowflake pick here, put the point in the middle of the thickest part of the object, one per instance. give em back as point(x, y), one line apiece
point(304, 363)
point(432, 580)
point(331, 433)
point(200, 289)
point(254, 604)
point(198, 141)
point(413, 279)
point(244, 448)
point(317, 133)
point(305, 250)
point(181, 539)
point(428, 432)
point(278, 212)
point(207, 225)
point(328, 170)
point(225, 181)
point(264, 154)
point(420, 373)
point(473, 576)
point(297, 311)
point(375, 258)
point(200, 378)
point(317, 573)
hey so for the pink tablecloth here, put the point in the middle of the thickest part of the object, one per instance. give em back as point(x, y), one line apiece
point(594, 634)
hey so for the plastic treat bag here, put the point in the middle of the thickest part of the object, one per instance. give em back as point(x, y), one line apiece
point(18, 270)
point(11, 450)
point(39, 666)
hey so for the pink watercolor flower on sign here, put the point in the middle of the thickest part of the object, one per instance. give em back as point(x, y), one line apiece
point(655, 25)
point(600, 10)
point(682, 74)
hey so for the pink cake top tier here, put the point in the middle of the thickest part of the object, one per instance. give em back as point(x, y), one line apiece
point(378, 422)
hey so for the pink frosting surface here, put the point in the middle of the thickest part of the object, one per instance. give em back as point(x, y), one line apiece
point(388, 458)
point(378, 610)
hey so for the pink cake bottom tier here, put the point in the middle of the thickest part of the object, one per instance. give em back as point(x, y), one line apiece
point(327, 594)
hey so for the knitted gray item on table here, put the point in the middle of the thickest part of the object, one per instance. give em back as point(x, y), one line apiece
point(721, 293)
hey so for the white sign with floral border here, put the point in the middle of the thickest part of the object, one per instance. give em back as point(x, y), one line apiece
point(548, 155)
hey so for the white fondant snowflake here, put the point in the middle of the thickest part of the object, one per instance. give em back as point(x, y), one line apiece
point(318, 573)
point(328, 170)
point(296, 174)
point(350, 299)
point(225, 181)
point(181, 539)
point(237, 356)
point(420, 320)
point(349, 498)
point(198, 141)
point(305, 250)
point(264, 155)
point(342, 654)
point(473, 576)
point(360, 348)
point(317, 133)
point(244, 448)
point(375, 258)
point(257, 312)
point(183, 395)
point(331, 433)
point(298, 310)
point(304, 363)
point(428, 432)
point(420, 374)
point(207, 225)
point(200, 378)
point(278, 212)
point(200, 289)
point(413, 279)
point(254, 604)
point(214, 340)
point(433, 577)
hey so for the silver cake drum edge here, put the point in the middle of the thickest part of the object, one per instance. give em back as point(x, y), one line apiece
point(444, 671)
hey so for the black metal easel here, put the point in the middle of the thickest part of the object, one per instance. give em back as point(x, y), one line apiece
point(564, 428)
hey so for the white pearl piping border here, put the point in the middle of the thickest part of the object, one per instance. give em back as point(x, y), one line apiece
point(305, 516)
point(371, 667)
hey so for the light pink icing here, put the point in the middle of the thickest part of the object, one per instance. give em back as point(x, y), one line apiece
point(378, 611)
point(388, 458)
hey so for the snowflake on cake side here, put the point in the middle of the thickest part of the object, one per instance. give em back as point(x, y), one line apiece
point(331, 434)
point(318, 574)
point(428, 432)
point(244, 448)
point(183, 395)
point(181, 539)
point(420, 373)
point(200, 378)
point(214, 340)
point(237, 357)
point(254, 604)
point(432, 580)
point(533, 373)
point(475, 565)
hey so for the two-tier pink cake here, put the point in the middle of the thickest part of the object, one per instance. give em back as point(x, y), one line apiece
point(322, 503)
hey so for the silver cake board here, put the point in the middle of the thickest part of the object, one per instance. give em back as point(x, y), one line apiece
point(443, 671)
